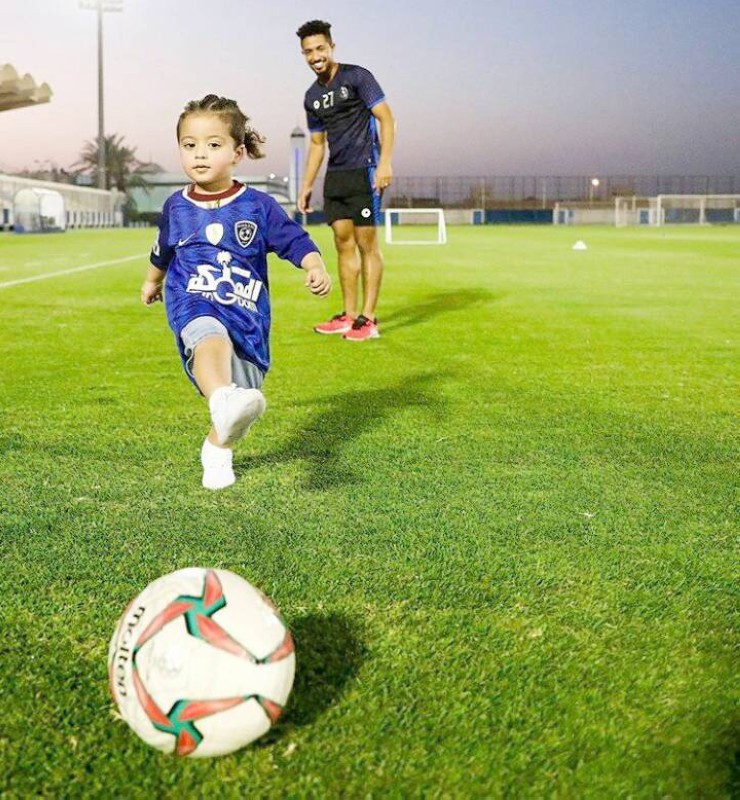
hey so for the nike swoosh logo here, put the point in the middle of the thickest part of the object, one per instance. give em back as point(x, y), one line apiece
point(184, 241)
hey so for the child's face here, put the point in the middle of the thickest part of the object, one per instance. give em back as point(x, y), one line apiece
point(207, 151)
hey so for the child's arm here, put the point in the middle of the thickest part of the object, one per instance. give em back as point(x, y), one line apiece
point(317, 278)
point(159, 259)
point(151, 289)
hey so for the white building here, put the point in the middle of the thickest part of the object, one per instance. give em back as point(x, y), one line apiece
point(85, 207)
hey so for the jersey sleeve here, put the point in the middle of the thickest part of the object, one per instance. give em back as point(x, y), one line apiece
point(314, 124)
point(368, 89)
point(162, 253)
point(285, 237)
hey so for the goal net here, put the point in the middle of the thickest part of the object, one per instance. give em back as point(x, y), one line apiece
point(415, 226)
point(697, 209)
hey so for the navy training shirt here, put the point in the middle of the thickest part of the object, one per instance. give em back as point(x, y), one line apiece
point(341, 108)
point(214, 249)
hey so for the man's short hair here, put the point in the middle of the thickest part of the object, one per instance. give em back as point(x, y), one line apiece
point(314, 27)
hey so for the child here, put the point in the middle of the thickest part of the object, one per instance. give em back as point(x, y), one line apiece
point(214, 237)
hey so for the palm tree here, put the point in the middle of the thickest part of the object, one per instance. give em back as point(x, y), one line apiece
point(122, 168)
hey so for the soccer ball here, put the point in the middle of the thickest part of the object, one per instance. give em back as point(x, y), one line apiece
point(201, 663)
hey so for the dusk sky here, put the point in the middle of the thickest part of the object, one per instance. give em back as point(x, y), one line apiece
point(481, 87)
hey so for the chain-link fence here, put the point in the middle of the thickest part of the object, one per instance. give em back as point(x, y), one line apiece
point(543, 191)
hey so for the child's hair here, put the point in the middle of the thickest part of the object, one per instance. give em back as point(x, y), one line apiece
point(313, 28)
point(239, 128)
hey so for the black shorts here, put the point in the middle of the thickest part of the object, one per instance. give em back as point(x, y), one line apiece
point(349, 194)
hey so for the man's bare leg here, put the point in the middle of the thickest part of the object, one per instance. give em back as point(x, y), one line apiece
point(348, 263)
point(372, 268)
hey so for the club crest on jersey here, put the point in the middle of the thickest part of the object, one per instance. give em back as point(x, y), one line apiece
point(245, 231)
point(344, 92)
point(214, 232)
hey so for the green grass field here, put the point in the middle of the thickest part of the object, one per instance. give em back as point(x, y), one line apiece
point(504, 534)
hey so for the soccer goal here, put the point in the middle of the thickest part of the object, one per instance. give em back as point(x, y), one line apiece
point(696, 209)
point(415, 226)
point(634, 210)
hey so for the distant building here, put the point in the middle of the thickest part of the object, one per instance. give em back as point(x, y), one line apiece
point(84, 207)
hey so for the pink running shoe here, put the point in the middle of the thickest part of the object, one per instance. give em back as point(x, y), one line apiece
point(362, 328)
point(339, 323)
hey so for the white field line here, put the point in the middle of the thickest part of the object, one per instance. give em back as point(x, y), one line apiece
point(83, 268)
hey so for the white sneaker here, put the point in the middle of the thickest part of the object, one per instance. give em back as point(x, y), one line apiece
point(218, 472)
point(233, 410)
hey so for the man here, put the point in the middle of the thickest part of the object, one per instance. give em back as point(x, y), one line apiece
point(346, 109)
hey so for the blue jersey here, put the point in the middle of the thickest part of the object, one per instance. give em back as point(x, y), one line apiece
point(214, 249)
point(341, 108)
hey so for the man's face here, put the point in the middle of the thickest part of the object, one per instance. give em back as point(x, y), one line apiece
point(319, 53)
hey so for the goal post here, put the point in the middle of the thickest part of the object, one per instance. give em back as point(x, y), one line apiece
point(697, 209)
point(415, 226)
point(678, 209)
point(634, 210)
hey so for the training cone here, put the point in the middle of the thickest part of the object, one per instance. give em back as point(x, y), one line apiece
point(580, 245)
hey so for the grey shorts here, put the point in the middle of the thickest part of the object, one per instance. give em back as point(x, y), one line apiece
point(243, 373)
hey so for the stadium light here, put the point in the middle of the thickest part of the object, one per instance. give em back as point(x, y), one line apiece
point(101, 6)
point(592, 188)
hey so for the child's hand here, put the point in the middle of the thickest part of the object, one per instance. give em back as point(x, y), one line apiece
point(318, 281)
point(151, 292)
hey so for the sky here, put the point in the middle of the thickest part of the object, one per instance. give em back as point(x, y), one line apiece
point(478, 87)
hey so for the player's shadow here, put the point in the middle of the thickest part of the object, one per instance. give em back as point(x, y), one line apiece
point(329, 652)
point(324, 441)
point(438, 304)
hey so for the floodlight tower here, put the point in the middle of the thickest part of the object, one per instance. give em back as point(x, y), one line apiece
point(297, 158)
point(100, 6)
point(592, 188)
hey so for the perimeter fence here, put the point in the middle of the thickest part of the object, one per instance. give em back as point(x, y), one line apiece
point(543, 191)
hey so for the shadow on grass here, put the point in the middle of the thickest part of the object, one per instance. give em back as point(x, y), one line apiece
point(733, 784)
point(437, 304)
point(329, 653)
point(325, 441)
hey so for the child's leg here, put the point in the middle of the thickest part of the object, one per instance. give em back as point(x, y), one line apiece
point(211, 368)
point(216, 371)
point(212, 371)
point(212, 364)
point(216, 366)
point(233, 409)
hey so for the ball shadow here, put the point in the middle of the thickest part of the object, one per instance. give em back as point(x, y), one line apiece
point(329, 652)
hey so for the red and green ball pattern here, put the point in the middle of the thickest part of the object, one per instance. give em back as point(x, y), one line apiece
point(198, 613)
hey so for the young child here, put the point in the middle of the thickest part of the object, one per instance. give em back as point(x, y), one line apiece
point(211, 254)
